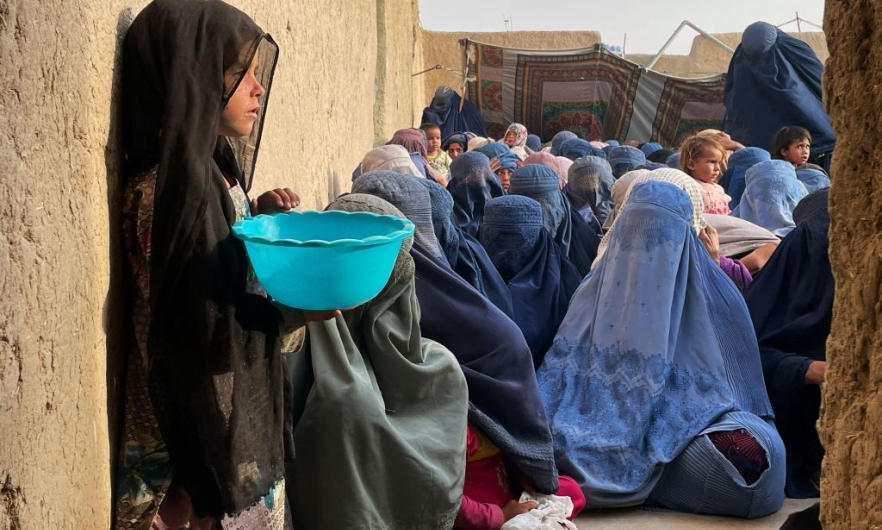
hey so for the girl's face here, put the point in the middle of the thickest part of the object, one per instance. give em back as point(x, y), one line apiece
point(433, 140)
point(798, 152)
point(706, 166)
point(510, 138)
point(454, 150)
point(243, 108)
point(504, 178)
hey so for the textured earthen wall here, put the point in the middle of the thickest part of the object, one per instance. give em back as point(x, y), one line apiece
point(441, 47)
point(851, 421)
point(62, 304)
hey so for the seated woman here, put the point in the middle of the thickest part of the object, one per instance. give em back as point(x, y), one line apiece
point(738, 163)
point(735, 269)
point(388, 158)
point(540, 280)
point(791, 304)
point(652, 383)
point(504, 402)
point(379, 413)
point(559, 164)
point(589, 188)
point(574, 238)
point(472, 183)
point(771, 193)
point(464, 253)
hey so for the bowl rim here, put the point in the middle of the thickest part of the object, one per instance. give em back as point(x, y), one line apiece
point(239, 230)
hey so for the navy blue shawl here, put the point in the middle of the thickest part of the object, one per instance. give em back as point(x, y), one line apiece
point(774, 80)
point(463, 252)
point(540, 280)
point(504, 400)
point(791, 305)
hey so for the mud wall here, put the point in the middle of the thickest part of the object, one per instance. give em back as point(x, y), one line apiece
point(851, 417)
point(343, 84)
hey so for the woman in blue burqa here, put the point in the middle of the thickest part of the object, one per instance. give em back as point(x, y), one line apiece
point(653, 385)
point(774, 80)
point(791, 304)
point(444, 111)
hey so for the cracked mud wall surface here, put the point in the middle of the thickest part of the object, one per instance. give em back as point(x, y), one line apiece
point(851, 417)
point(63, 306)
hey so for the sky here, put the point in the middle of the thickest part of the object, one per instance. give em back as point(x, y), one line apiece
point(647, 23)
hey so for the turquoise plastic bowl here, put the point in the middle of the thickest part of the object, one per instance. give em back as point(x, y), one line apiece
point(320, 261)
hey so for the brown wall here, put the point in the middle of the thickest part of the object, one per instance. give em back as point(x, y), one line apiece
point(62, 305)
point(851, 417)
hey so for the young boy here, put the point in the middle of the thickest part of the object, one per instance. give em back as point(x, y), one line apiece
point(793, 144)
point(438, 159)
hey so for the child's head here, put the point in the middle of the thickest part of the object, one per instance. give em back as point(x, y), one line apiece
point(793, 144)
point(455, 145)
point(701, 157)
point(243, 107)
point(433, 137)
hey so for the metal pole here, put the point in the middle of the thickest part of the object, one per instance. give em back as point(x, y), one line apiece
point(703, 33)
point(798, 23)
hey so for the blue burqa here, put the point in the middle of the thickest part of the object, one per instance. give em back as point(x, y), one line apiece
point(540, 282)
point(444, 112)
point(655, 351)
point(774, 80)
point(739, 162)
point(504, 400)
point(463, 252)
point(771, 193)
point(791, 305)
point(589, 186)
point(472, 183)
point(573, 236)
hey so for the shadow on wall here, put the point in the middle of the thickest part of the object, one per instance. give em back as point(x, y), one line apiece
point(116, 310)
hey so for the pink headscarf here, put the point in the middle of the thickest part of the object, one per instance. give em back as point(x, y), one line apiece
point(414, 140)
point(559, 164)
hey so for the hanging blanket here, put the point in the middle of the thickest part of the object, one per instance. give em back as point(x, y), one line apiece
point(591, 92)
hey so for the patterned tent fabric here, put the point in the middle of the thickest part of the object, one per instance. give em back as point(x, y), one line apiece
point(589, 91)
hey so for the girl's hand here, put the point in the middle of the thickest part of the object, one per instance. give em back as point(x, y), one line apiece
point(513, 508)
point(494, 164)
point(279, 200)
point(711, 241)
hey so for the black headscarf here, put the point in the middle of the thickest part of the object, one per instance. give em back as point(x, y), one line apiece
point(791, 305)
point(215, 369)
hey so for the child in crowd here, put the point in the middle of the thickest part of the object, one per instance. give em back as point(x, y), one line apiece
point(455, 145)
point(793, 144)
point(488, 501)
point(701, 158)
point(438, 158)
